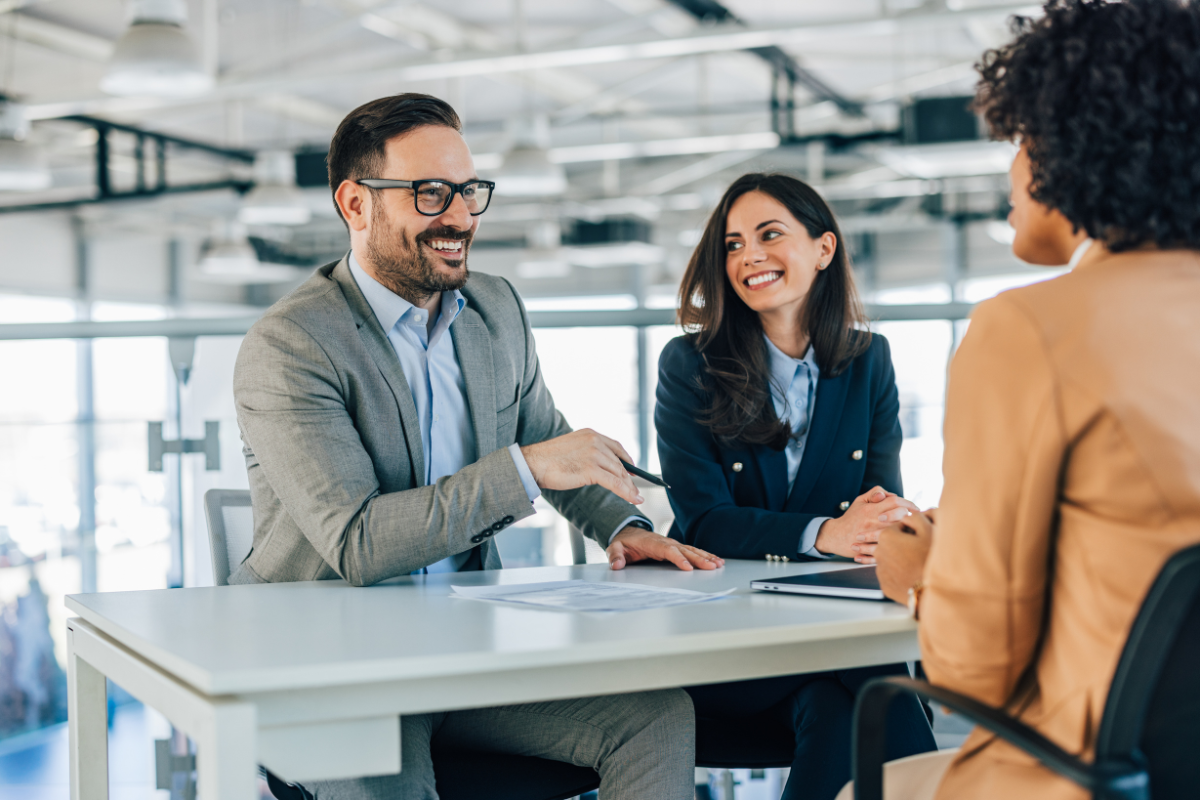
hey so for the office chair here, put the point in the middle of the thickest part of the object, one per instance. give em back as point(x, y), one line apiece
point(1145, 746)
point(460, 774)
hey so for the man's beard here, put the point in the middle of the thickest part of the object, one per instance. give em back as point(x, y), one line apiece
point(407, 268)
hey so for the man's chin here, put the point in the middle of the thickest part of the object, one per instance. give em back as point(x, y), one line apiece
point(451, 274)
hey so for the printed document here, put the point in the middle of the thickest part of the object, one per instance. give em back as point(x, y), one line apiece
point(588, 596)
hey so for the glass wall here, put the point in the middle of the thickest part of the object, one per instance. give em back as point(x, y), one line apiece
point(50, 423)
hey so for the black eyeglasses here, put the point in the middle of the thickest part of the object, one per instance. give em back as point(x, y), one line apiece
point(433, 197)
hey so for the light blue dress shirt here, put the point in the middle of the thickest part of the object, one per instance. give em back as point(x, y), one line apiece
point(430, 366)
point(793, 393)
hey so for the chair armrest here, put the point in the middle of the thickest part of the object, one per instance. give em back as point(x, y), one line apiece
point(1106, 781)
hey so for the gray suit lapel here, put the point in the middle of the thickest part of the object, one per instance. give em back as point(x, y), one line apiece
point(473, 346)
point(375, 339)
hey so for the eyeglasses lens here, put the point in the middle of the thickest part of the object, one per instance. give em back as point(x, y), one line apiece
point(434, 197)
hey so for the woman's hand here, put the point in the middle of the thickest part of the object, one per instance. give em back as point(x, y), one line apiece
point(902, 553)
point(856, 533)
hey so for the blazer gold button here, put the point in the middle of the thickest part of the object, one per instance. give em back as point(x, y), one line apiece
point(737, 466)
point(856, 455)
point(844, 505)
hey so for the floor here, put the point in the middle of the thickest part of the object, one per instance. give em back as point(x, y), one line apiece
point(35, 765)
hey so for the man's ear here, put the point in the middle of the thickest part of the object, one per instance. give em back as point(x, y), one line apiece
point(354, 202)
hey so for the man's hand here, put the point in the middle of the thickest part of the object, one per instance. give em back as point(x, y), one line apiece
point(636, 544)
point(855, 533)
point(582, 458)
point(902, 552)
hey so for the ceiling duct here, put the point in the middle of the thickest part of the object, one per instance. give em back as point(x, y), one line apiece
point(610, 243)
point(229, 257)
point(935, 120)
point(23, 165)
point(155, 56)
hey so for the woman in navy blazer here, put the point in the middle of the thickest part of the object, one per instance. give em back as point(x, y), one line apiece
point(778, 431)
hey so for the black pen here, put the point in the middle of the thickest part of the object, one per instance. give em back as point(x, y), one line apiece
point(641, 473)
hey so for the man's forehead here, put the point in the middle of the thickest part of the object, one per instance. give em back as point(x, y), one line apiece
point(431, 151)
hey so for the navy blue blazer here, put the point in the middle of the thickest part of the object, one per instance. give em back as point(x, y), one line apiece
point(749, 513)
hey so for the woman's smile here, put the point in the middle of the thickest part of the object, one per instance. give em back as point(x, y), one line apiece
point(761, 280)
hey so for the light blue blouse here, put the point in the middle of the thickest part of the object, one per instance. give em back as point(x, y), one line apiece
point(793, 393)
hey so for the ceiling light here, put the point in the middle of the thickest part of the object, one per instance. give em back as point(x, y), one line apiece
point(155, 56)
point(949, 160)
point(275, 200)
point(228, 257)
point(529, 172)
point(23, 166)
point(528, 169)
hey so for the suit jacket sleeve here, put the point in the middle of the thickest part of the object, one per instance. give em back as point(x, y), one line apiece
point(707, 515)
point(986, 578)
point(886, 436)
point(291, 407)
point(593, 509)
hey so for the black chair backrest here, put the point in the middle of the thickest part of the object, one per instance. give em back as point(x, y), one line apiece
point(1152, 715)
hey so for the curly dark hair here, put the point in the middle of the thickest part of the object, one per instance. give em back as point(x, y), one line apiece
point(1106, 97)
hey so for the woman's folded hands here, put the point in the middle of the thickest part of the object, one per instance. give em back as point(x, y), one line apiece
point(855, 534)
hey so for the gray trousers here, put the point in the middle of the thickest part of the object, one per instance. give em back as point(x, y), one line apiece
point(643, 745)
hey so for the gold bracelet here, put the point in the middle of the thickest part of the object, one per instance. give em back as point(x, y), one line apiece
point(914, 599)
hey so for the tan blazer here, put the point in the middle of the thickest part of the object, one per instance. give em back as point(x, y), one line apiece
point(1072, 470)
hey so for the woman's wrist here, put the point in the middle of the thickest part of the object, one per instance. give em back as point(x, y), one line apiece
point(826, 534)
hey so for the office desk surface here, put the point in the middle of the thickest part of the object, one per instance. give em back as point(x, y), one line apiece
point(272, 637)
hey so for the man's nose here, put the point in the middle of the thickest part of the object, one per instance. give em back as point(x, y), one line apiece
point(457, 215)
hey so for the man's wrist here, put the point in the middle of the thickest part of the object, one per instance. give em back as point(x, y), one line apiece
point(640, 523)
point(532, 491)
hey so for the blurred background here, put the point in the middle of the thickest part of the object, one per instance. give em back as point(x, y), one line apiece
point(162, 181)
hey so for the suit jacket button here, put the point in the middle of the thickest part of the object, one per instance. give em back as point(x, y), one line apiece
point(508, 520)
point(845, 504)
point(856, 455)
point(497, 527)
point(737, 466)
point(476, 539)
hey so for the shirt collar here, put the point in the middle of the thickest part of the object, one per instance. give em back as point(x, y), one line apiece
point(783, 366)
point(390, 307)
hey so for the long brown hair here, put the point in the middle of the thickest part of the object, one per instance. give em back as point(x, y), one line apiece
point(729, 335)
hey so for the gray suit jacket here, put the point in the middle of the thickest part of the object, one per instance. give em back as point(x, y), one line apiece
point(333, 446)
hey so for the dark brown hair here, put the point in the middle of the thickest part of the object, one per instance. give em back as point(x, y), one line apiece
point(359, 144)
point(729, 335)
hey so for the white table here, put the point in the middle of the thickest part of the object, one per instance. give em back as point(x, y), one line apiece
point(308, 679)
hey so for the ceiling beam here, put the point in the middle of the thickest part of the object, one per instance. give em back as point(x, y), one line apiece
point(58, 37)
point(711, 11)
point(716, 41)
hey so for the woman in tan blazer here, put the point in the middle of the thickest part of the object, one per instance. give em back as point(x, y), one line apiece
point(1072, 430)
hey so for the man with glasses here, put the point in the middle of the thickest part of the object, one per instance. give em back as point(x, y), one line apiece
point(395, 419)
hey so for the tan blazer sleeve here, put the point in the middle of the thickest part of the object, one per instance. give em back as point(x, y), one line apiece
point(986, 578)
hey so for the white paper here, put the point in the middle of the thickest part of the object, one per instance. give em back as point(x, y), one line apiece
point(587, 595)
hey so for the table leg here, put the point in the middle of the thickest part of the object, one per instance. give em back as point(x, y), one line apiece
point(87, 715)
point(226, 754)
